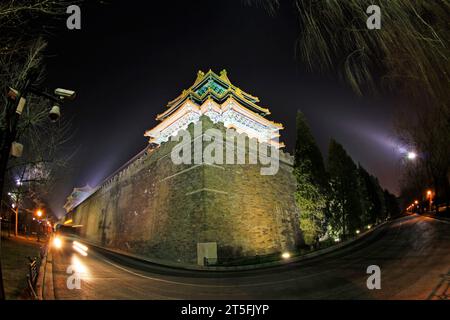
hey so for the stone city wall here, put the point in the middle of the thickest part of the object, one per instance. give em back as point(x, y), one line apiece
point(157, 209)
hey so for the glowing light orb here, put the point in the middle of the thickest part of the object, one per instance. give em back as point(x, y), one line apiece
point(412, 155)
point(286, 255)
point(57, 243)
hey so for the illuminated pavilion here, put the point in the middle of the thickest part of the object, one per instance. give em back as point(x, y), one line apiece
point(216, 97)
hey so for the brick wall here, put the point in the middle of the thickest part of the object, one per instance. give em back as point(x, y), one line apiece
point(161, 210)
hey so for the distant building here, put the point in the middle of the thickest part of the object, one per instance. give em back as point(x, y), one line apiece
point(201, 212)
point(77, 196)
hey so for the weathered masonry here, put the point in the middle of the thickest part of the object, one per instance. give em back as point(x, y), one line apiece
point(185, 212)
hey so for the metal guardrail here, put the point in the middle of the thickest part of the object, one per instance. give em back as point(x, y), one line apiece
point(33, 271)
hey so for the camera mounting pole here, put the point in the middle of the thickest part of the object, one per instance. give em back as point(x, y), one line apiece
point(15, 104)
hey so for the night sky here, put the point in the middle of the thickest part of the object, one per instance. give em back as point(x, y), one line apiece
point(129, 60)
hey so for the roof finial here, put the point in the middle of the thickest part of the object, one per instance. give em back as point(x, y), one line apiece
point(223, 76)
point(200, 75)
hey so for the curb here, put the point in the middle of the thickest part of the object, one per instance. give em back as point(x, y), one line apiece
point(440, 219)
point(41, 275)
point(341, 245)
point(44, 284)
point(48, 289)
point(307, 256)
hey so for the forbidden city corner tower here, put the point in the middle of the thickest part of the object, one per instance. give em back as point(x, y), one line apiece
point(197, 213)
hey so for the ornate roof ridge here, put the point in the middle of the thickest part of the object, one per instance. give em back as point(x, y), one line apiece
point(228, 89)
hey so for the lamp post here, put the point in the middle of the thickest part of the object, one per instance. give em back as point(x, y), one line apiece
point(14, 107)
point(416, 202)
point(16, 222)
point(2, 289)
point(430, 198)
point(39, 215)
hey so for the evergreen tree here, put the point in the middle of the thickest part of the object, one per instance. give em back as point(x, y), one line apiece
point(371, 203)
point(392, 207)
point(381, 210)
point(345, 205)
point(366, 192)
point(377, 201)
point(311, 194)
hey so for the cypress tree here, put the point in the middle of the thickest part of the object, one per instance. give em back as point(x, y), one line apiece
point(381, 210)
point(311, 194)
point(345, 204)
point(392, 207)
point(366, 192)
point(371, 204)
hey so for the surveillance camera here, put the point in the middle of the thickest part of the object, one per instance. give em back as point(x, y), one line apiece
point(12, 93)
point(65, 93)
point(55, 113)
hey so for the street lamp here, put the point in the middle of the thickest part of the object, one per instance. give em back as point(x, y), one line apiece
point(411, 155)
point(430, 197)
point(286, 255)
point(39, 214)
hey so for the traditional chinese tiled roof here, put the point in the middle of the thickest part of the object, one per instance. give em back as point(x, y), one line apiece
point(216, 87)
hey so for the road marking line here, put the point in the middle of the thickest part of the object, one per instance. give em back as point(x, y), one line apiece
point(200, 285)
point(349, 254)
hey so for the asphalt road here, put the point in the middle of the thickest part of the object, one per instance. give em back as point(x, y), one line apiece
point(413, 253)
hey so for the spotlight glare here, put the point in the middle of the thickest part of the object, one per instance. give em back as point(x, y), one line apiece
point(411, 155)
point(286, 255)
